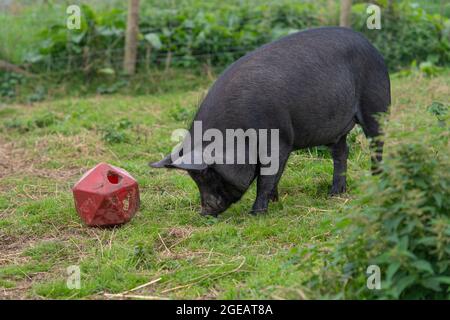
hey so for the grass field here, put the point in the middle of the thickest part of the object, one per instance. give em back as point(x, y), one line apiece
point(45, 147)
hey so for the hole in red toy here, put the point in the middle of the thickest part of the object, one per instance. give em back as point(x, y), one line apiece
point(113, 177)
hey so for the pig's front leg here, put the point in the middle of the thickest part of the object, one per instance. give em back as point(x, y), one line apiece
point(267, 187)
point(274, 195)
point(264, 189)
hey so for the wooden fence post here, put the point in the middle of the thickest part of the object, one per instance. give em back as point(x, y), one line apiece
point(346, 13)
point(131, 38)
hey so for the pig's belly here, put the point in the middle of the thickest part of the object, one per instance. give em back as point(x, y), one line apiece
point(310, 133)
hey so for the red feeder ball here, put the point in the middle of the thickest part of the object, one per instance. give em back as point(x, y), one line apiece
point(106, 196)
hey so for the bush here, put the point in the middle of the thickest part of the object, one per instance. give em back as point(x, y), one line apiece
point(400, 223)
point(192, 34)
point(92, 48)
point(9, 83)
point(408, 34)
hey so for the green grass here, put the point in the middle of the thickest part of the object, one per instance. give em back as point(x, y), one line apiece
point(45, 147)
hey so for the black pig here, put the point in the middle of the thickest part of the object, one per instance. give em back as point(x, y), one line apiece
point(313, 86)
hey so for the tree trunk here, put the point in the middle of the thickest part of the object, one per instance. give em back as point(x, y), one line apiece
point(390, 7)
point(131, 37)
point(346, 10)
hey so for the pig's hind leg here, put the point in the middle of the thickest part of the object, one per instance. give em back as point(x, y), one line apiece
point(367, 118)
point(339, 152)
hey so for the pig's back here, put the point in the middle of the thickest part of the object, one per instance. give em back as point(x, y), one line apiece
point(307, 85)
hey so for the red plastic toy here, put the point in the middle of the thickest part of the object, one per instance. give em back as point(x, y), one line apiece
point(106, 196)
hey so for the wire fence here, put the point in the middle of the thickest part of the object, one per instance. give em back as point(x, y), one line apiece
point(18, 51)
point(113, 58)
point(23, 22)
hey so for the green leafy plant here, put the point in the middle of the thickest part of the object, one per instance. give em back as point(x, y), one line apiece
point(428, 68)
point(91, 48)
point(19, 125)
point(408, 33)
point(37, 95)
point(111, 88)
point(8, 84)
point(115, 133)
point(193, 34)
point(439, 110)
point(400, 223)
point(125, 123)
point(112, 135)
point(45, 120)
point(179, 113)
point(42, 120)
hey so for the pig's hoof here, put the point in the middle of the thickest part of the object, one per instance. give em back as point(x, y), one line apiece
point(256, 212)
point(274, 197)
point(337, 190)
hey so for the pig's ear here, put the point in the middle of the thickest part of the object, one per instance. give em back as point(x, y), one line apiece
point(164, 163)
point(189, 167)
point(186, 162)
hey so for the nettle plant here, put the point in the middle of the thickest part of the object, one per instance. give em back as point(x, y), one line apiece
point(412, 213)
point(400, 223)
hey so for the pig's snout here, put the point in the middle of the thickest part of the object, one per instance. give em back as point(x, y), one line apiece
point(206, 212)
point(212, 206)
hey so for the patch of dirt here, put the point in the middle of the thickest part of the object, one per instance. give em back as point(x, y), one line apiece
point(179, 232)
point(22, 289)
point(212, 294)
point(171, 238)
point(11, 253)
point(15, 160)
point(11, 249)
point(11, 158)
